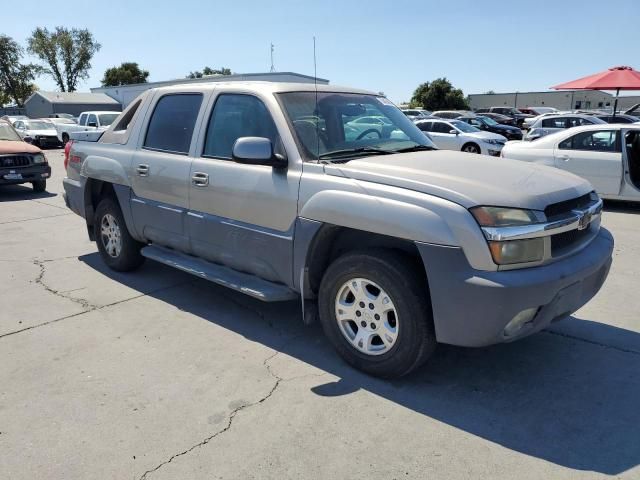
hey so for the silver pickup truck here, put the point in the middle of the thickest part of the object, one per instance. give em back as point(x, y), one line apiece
point(279, 192)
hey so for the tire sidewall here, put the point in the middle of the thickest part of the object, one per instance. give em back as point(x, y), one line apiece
point(129, 257)
point(413, 316)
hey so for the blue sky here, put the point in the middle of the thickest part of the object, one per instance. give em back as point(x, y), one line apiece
point(388, 46)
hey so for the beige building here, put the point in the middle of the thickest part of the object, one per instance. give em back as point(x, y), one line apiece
point(560, 99)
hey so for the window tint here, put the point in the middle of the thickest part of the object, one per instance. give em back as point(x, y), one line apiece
point(172, 123)
point(236, 116)
point(83, 119)
point(442, 128)
point(555, 122)
point(597, 141)
point(425, 126)
point(92, 119)
point(124, 122)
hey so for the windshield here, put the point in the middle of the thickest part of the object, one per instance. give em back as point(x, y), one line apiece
point(8, 133)
point(39, 125)
point(340, 124)
point(487, 120)
point(107, 119)
point(464, 127)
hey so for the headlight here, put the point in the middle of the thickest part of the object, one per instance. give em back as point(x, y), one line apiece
point(511, 251)
point(39, 158)
point(517, 251)
point(506, 217)
point(490, 141)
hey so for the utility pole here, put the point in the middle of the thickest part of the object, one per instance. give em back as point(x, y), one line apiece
point(273, 68)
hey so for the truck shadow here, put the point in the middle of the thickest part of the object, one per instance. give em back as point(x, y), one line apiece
point(555, 396)
point(12, 193)
point(621, 207)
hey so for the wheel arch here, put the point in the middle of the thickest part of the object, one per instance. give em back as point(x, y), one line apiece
point(95, 190)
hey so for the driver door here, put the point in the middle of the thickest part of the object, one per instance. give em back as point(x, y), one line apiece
point(595, 155)
point(443, 138)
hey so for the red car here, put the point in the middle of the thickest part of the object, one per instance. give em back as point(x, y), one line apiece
point(21, 162)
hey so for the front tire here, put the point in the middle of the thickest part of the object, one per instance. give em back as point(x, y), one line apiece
point(375, 311)
point(118, 249)
point(39, 186)
point(471, 148)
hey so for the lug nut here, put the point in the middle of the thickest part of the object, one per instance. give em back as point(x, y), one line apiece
point(358, 313)
point(361, 304)
point(376, 316)
point(371, 306)
point(373, 326)
point(363, 323)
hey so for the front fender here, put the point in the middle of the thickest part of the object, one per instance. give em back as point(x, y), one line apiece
point(105, 169)
point(383, 216)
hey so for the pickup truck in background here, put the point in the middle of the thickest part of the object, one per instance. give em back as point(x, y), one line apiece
point(393, 245)
point(99, 120)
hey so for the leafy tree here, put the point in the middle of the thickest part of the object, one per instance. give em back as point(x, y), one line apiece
point(16, 79)
point(489, 92)
point(126, 74)
point(66, 54)
point(439, 95)
point(209, 71)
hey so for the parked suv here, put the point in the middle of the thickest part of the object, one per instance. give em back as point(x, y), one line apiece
point(21, 162)
point(554, 123)
point(393, 245)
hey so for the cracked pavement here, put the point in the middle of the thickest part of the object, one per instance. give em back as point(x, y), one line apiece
point(159, 375)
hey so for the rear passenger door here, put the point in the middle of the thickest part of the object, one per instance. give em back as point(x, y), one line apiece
point(243, 216)
point(595, 155)
point(160, 169)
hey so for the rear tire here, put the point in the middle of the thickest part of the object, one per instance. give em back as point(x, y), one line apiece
point(65, 139)
point(39, 186)
point(118, 249)
point(392, 334)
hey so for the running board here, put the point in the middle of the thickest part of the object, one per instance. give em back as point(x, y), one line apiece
point(242, 282)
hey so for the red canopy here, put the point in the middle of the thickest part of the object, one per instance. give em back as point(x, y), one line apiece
point(616, 78)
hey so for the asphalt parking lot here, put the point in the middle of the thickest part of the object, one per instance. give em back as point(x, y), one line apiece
point(160, 375)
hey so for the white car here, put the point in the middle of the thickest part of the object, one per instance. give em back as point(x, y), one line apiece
point(550, 123)
point(606, 155)
point(458, 135)
point(40, 132)
point(87, 121)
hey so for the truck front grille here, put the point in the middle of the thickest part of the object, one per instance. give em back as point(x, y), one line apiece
point(9, 161)
point(564, 242)
point(563, 208)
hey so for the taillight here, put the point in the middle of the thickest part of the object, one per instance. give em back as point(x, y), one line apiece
point(67, 148)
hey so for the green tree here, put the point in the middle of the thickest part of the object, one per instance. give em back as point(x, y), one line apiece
point(66, 54)
point(16, 79)
point(209, 71)
point(439, 95)
point(126, 74)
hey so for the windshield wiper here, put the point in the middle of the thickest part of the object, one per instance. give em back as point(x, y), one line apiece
point(355, 151)
point(415, 148)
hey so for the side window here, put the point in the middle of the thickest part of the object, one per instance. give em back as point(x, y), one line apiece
point(235, 116)
point(598, 141)
point(475, 123)
point(442, 128)
point(92, 120)
point(18, 125)
point(124, 122)
point(425, 126)
point(172, 123)
point(83, 119)
point(556, 122)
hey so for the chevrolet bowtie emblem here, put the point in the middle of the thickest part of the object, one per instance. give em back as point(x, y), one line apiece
point(584, 220)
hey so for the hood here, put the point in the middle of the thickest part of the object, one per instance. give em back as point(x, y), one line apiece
point(468, 179)
point(9, 147)
point(487, 135)
point(49, 132)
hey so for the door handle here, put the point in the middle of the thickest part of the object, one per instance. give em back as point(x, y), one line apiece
point(200, 179)
point(143, 170)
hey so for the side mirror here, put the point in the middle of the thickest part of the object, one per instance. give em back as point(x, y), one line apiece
point(257, 151)
point(28, 139)
point(92, 124)
point(453, 132)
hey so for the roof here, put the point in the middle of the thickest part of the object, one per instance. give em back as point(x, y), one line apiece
point(76, 98)
point(235, 77)
point(264, 87)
